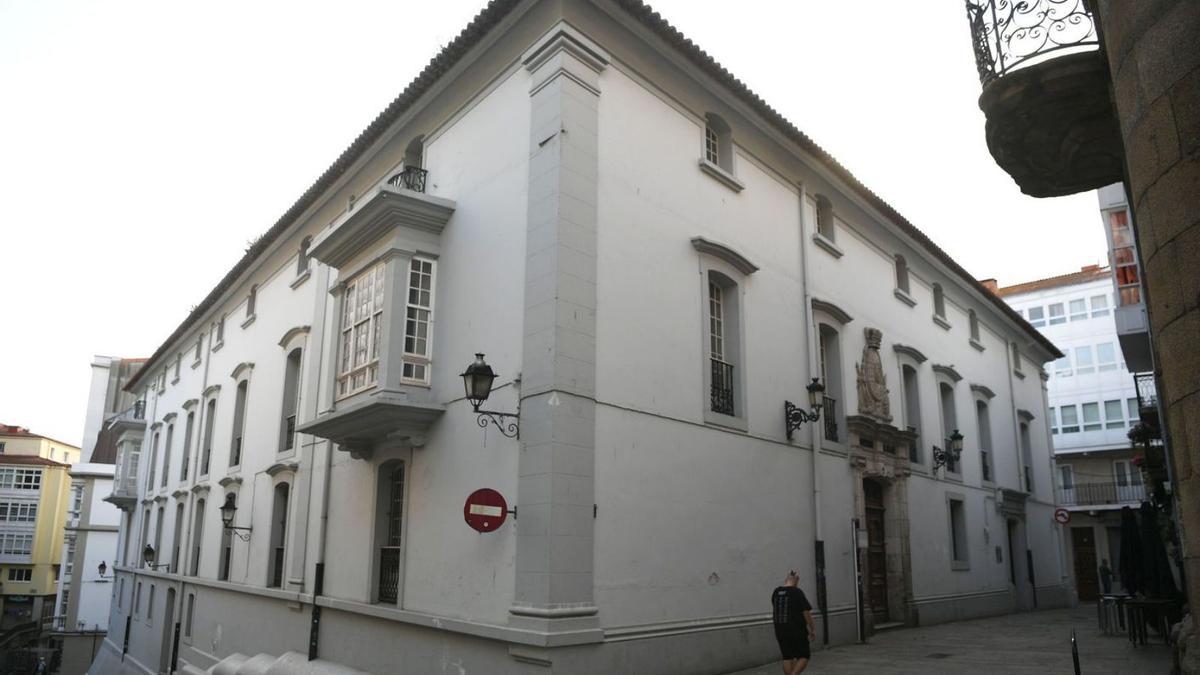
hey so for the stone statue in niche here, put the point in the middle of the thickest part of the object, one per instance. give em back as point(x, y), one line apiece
point(872, 383)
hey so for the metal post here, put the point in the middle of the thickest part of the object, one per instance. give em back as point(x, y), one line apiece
point(1032, 581)
point(314, 634)
point(1074, 652)
point(858, 580)
point(822, 596)
point(175, 649)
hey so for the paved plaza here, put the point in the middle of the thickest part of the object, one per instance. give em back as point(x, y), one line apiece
point(1037, 642)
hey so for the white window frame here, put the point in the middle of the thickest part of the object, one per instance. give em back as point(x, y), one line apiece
point(1056, 318)
point(1091, 425)
point(1077, 314)
point(1085, 362)
point(422, 360)
point(1053, 419)
point(1105, 366)
point(1040, 319)
point(1066, 474)
point(17, 478)
point(361, 321)
point(1117, 422)
point(1073, 428)
point(1100, 308)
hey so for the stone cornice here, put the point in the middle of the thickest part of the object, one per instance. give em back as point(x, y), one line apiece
point(983, 390)
point(911, 352)
point(718, 250)
point(1025, 415)
point(229, 480)
point(282, 467)
point(212, 390)
point(243, 367)
point(948, 371)
point(190, 403)
point(832, 310)
point(292, 333)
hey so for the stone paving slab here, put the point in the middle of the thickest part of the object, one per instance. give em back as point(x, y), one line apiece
point(1032, 642)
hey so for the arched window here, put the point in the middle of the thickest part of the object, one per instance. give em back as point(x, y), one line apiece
point(1016, 357)
point(302, 256)
point(210, 413)
point(984, 426)
point(279, 514)
point(166, 470)
point(239, 424)
point(825, 218)
point(158, 528)
point(724, 348)
point(188, 430)
point(973, 322)
point(718, 142)
point(291, 400)
point(1027, 457)
point(912, 409)
point(389, 532)
point(153, 462)
point(414, 154)
point(833, 410)
point(197, 536)
point(251, 301)
point(176, 539)
point(949, 420)
point(939, 302)
point(901, 273)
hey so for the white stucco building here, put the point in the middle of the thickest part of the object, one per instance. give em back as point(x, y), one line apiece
point(1093, 405)
point(654, 262)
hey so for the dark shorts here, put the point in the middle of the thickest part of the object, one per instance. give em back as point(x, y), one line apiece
point(793, 642)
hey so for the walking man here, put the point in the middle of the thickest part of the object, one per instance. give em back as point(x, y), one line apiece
point(794, 626)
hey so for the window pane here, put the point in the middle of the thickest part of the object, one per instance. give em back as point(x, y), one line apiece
point(1134, 415)
point(1106, 356)
point(1113, 415)
point(1056, 314)
point(1099, 305)
point(1078, 309)
point(1070, 419)
point(1037, 317)
point(1062, 367)
point(1083, 360)
point(1091, 416)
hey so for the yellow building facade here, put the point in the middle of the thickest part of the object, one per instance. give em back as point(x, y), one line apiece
point(35, 489)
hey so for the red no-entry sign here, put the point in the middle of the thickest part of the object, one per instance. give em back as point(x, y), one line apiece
point(1063, 516)
point(485, 510)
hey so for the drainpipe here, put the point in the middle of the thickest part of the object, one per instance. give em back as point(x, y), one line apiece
point(814, 432)
point(314, 634)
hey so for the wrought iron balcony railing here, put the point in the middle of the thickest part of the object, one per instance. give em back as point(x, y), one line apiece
point(389, 573)
point(1010, 34)
point(1100, 494)
point(829, 414)
point(722, 387)
point(410, 178)
point(277, 568)
point(1147, 390)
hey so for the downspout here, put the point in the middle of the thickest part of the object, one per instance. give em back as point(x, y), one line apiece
point(191, 516)
point(314, 634)
point(814, 431)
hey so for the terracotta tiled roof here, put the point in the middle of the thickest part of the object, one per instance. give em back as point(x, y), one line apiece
point(1085, 274)
point(13, 431)
point(480, 26)
point(30, 460)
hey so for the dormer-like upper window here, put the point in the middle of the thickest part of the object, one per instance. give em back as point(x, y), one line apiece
point(718, 142)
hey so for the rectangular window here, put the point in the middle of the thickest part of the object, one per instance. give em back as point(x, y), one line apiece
point(1106, 356)
point(983, 420)
point(1125, 267)
point(251, 301)
point(1091, 416)
point(1037, 317)
point(199, 347)
point(220, 340)
point(1062, 367)
point(16, 543)
point(958, 531)
point(1135, 414)
point(178, 362)
point(1099, 305)
point(18, 512)
point(716, 330)
point(239, 424)
point(417, 321)
point(1083, 361)
point(361, 330)
point(150, 605)
point(1057, 315)
point(712, 145)
point(1114, 417)
point(167, 455)
point(1078, 309)
point(1070, 419)
point(187, 445)
point(190, 615)
point(137, 600)
point(20, 479)
point(20, 574)
point(1053, 420)
point(1066, 475)
point(1126, 474)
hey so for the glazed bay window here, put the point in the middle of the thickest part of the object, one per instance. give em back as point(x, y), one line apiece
point(385, 254)
point(417, 321)
point(361, 330)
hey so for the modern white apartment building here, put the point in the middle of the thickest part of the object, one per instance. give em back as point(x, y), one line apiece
point(656, 264)
point(1093, 405)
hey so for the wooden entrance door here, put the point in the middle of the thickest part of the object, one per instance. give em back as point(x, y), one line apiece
point(877, 595)
point(1083, 543)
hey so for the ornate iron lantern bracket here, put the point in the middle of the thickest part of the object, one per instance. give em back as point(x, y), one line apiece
point(793, 417)
point(509, 428)
point(951, 455)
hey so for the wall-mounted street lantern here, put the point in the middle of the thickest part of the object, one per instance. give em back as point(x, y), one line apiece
point(477, 380)
point(228, 511)
point(148, 557)
point(950, 455)
point(793, 417)
point(103, 568)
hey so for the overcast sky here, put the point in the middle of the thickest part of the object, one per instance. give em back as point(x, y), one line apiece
point(143, 144)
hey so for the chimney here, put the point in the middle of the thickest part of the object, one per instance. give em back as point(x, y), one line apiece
point(1090, 268)
point(990, 284)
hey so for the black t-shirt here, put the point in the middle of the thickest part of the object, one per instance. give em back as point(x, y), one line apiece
point(788, 606)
